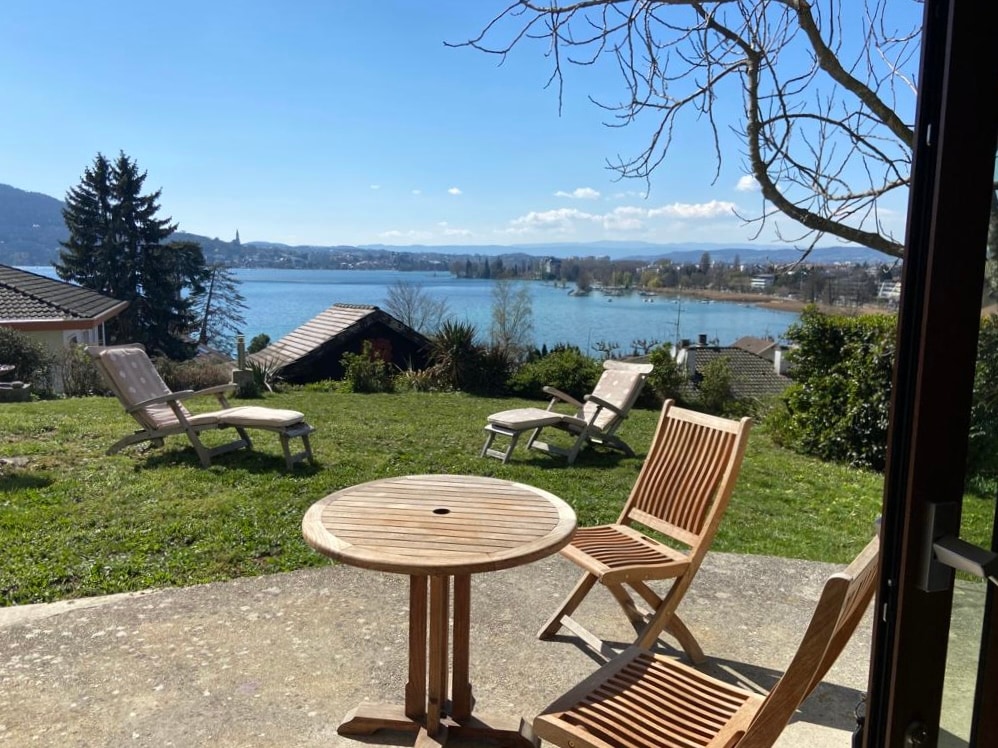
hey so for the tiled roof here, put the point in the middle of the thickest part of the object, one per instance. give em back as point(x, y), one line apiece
point(27, 298)
point(758, 346)
point(752, 376)
point(336, 321)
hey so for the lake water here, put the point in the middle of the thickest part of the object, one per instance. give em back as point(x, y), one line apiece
point(280, 300)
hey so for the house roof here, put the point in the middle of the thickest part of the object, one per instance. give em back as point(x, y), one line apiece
point(338, 322)
point(33, 302)
point(752, 376)
point(758, 346)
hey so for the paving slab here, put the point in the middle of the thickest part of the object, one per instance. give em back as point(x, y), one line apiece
point(279, 660)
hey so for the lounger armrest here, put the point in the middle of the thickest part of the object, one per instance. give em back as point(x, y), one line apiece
point(168, 398)
point(218, 389)
point(604, 404)
point(559, 395)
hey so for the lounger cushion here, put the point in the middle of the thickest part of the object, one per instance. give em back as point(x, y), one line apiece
point(252, 415)
point(521, 419)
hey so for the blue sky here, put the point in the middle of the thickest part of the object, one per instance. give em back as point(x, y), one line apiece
point(343, 122)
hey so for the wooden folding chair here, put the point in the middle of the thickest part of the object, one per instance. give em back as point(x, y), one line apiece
point(681, 493)
point(642, 699)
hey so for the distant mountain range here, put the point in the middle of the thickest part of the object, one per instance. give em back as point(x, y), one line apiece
point(31, 227)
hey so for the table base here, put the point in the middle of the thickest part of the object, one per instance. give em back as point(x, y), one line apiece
point(506, 731)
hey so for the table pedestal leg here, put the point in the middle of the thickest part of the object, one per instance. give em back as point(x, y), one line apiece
point(427, 709)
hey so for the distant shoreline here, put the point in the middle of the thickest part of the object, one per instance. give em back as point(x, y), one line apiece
point(776, 303)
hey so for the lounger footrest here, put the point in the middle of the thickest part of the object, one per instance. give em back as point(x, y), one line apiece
point(512, 423)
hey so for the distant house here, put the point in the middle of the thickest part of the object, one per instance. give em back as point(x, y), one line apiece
point(54, 312)
point(752, 376)
point(313, 352)
point(762, 282)
point(766, 348)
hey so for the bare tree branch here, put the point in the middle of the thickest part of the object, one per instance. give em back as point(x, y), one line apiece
point(824, 122)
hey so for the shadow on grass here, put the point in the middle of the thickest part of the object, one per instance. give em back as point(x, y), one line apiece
point(15, 480)
point(252, 461)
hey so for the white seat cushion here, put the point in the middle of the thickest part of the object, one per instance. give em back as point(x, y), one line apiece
point(253, 415)
point(521, 419)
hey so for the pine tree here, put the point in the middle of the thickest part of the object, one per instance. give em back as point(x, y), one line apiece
point(220, 307)
point(115, 247)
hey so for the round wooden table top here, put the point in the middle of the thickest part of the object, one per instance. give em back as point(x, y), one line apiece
point(439, 524)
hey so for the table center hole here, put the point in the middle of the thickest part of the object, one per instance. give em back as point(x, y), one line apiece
point(441, 510)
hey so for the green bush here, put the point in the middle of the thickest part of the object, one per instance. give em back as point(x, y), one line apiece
point(80, 375)
point(838, 406)
point(258, 343)
point(457, 356)
point(566, 369)
point(714, 388)
point(194, 374)
point(982, 457)
point(31, 361)
point(367, 371)
point(667, 379)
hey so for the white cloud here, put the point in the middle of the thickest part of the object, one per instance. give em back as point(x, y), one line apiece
point(629, 194)
point(454, 191)
point(747, 183)
point(579, 193)
point(411, 234)
point(417, 192)
point(625, 218)
point(713, 209)
point(375, 186)
point(561, 219)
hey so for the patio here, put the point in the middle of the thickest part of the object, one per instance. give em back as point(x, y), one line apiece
point(280, 659)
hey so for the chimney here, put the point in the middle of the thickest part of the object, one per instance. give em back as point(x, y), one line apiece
point(779, 361)
point(702, 339)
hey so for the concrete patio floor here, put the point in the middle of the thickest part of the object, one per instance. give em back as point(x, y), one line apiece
point(279, 660)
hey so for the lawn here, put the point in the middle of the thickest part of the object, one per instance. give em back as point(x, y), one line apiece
point(75, 522)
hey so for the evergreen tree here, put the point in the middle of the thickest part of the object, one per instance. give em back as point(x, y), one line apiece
point(115, 247)
point(219, 307)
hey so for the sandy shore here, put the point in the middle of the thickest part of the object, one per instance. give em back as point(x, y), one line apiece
point(778, 303)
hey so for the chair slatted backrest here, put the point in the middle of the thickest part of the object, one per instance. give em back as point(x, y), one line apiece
point(134, 379)
point(689, 474)
point(843, 602)
point(619, 384)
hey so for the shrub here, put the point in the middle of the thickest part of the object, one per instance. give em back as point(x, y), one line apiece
point(714, 388)
point(566, 369)
point(80, 375)
point(31, 361)
point(982, 457)
point(421, 380)
point(258, 343)
point(838, 406)
point(667, 379)
point(457, 356)
point(194, 374)
point(366, 371)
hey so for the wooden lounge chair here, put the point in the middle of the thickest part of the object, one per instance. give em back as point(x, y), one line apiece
point(681, 493)
point(161, 413)
point(643, 699)
point(594, 422)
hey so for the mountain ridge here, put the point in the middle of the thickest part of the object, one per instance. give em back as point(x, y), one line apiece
point(31, 227)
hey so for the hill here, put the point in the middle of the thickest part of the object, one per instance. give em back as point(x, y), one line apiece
point(31, 227)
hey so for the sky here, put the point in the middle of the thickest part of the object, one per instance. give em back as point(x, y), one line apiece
point(348, 122)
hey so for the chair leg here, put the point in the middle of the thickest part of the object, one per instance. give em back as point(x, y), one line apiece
point(568, 607)
point(665, 618)
point(624, 600)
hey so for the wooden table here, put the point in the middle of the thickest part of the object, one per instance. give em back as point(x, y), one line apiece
point(438, 529)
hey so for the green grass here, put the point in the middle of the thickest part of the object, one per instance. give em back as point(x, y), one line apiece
point(75, 522)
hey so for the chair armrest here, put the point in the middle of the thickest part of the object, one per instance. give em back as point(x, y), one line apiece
point(219, 389)
point(604, 404)
point(168, 398)
point(559, 395)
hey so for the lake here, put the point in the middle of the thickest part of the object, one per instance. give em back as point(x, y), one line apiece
point(278, 301)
